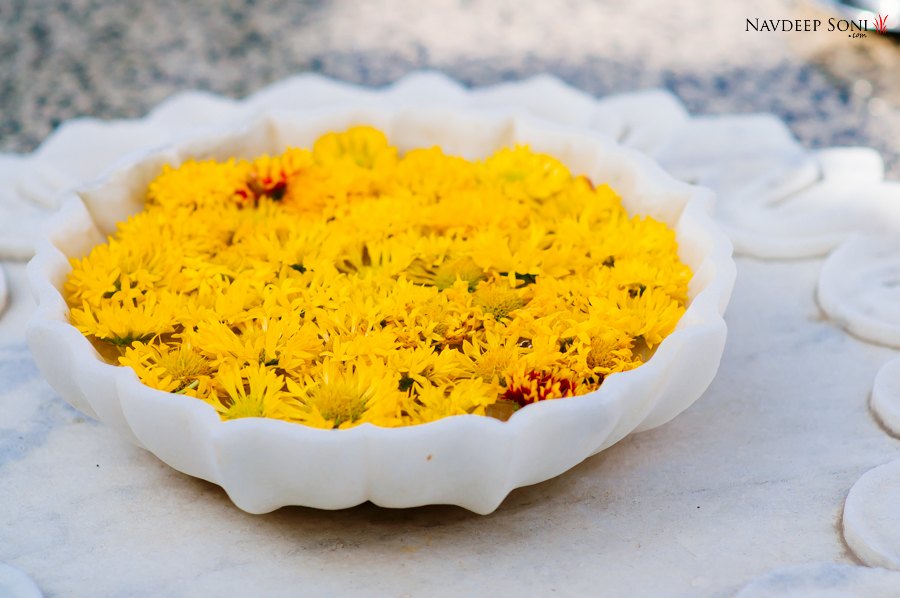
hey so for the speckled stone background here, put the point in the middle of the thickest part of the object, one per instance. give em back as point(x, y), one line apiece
point(65, 58)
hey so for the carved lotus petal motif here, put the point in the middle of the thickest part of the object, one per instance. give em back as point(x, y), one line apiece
point(859, 288)
point(779, 200)
point(872, 519)
point(886, 396)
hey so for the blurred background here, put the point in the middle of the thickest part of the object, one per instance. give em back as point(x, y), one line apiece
point(65, 58)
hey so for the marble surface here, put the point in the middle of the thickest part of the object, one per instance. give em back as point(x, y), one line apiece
point(749, 480)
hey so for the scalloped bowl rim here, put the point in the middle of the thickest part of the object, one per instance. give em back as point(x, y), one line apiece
point(103, 201)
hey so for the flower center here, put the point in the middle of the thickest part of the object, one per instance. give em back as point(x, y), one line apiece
point(339, 402)
point(498, 301)
point(464, 269)
point(494, 362)
point(184, 364)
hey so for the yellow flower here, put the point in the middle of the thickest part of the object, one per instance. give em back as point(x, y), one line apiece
point(168, 367)
point(365, 147)
point(251, 391)
point(445, 274)
point(122, 323)
point(94, 277)
point(493, 359)
point(498, 299)
point(521, 173)
point(423, 366)
point(465, 397)
point(199, 183)
point(344, 396)
point(430, 175)
point(611, 351)
point(285, 343)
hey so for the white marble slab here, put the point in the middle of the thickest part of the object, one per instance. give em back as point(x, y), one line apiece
point(750, 479)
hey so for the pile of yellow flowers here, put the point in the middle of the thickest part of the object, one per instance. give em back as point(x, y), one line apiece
point(349, 284)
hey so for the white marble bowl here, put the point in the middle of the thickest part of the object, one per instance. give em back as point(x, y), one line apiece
point(471, 461)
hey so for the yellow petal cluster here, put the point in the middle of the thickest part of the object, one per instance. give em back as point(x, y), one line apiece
point(350, 283)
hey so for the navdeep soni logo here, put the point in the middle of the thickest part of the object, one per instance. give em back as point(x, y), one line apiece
point(854, 28)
